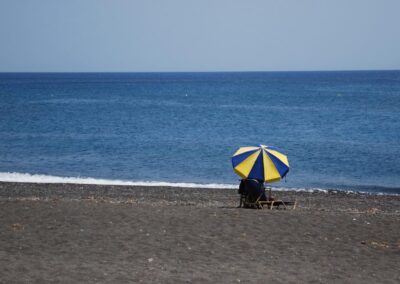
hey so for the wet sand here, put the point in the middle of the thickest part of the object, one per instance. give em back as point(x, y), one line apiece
point(118, 234)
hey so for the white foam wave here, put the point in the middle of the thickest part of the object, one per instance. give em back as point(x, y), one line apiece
point(298, 189)
point(37, 178)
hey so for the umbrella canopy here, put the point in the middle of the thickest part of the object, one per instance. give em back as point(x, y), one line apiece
point(262, 162)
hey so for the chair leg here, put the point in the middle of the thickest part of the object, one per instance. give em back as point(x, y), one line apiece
point(241, 201)
point(258, 204)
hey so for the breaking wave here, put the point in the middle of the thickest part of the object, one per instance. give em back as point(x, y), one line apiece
point(40, 178)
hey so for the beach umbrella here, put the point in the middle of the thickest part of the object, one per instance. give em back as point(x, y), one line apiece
point(261, 162)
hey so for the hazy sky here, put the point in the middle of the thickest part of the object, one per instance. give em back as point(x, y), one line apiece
point(216, 35)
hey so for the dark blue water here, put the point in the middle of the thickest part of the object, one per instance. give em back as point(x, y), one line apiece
point(339, 129)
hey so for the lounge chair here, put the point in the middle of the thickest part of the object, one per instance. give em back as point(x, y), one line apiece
point(253, 194)
point(272, 202)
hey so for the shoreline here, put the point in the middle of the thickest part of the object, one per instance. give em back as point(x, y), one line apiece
point(98, 233)
point(14, 177)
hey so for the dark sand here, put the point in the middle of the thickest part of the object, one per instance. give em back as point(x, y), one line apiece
point(112, 234)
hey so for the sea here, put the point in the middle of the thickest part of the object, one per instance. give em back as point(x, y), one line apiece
point(340, 130)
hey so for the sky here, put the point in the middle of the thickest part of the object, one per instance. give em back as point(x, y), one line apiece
point(202, 35)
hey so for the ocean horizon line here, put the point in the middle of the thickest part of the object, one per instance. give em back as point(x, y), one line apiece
point(201, 72)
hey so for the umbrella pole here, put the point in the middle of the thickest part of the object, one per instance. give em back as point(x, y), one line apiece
point(269, 193)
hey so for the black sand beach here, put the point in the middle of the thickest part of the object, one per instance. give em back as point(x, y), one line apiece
point(117, 234)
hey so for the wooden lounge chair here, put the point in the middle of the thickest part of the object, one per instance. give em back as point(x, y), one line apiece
point(272, 202)
point(278, 203)
point(254, 195)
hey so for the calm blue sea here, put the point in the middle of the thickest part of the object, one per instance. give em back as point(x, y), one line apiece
point(340, 130)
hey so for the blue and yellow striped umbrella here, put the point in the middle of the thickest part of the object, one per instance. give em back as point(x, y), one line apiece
point(262, 162)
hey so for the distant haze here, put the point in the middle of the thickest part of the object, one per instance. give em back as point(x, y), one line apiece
point(217, 35)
